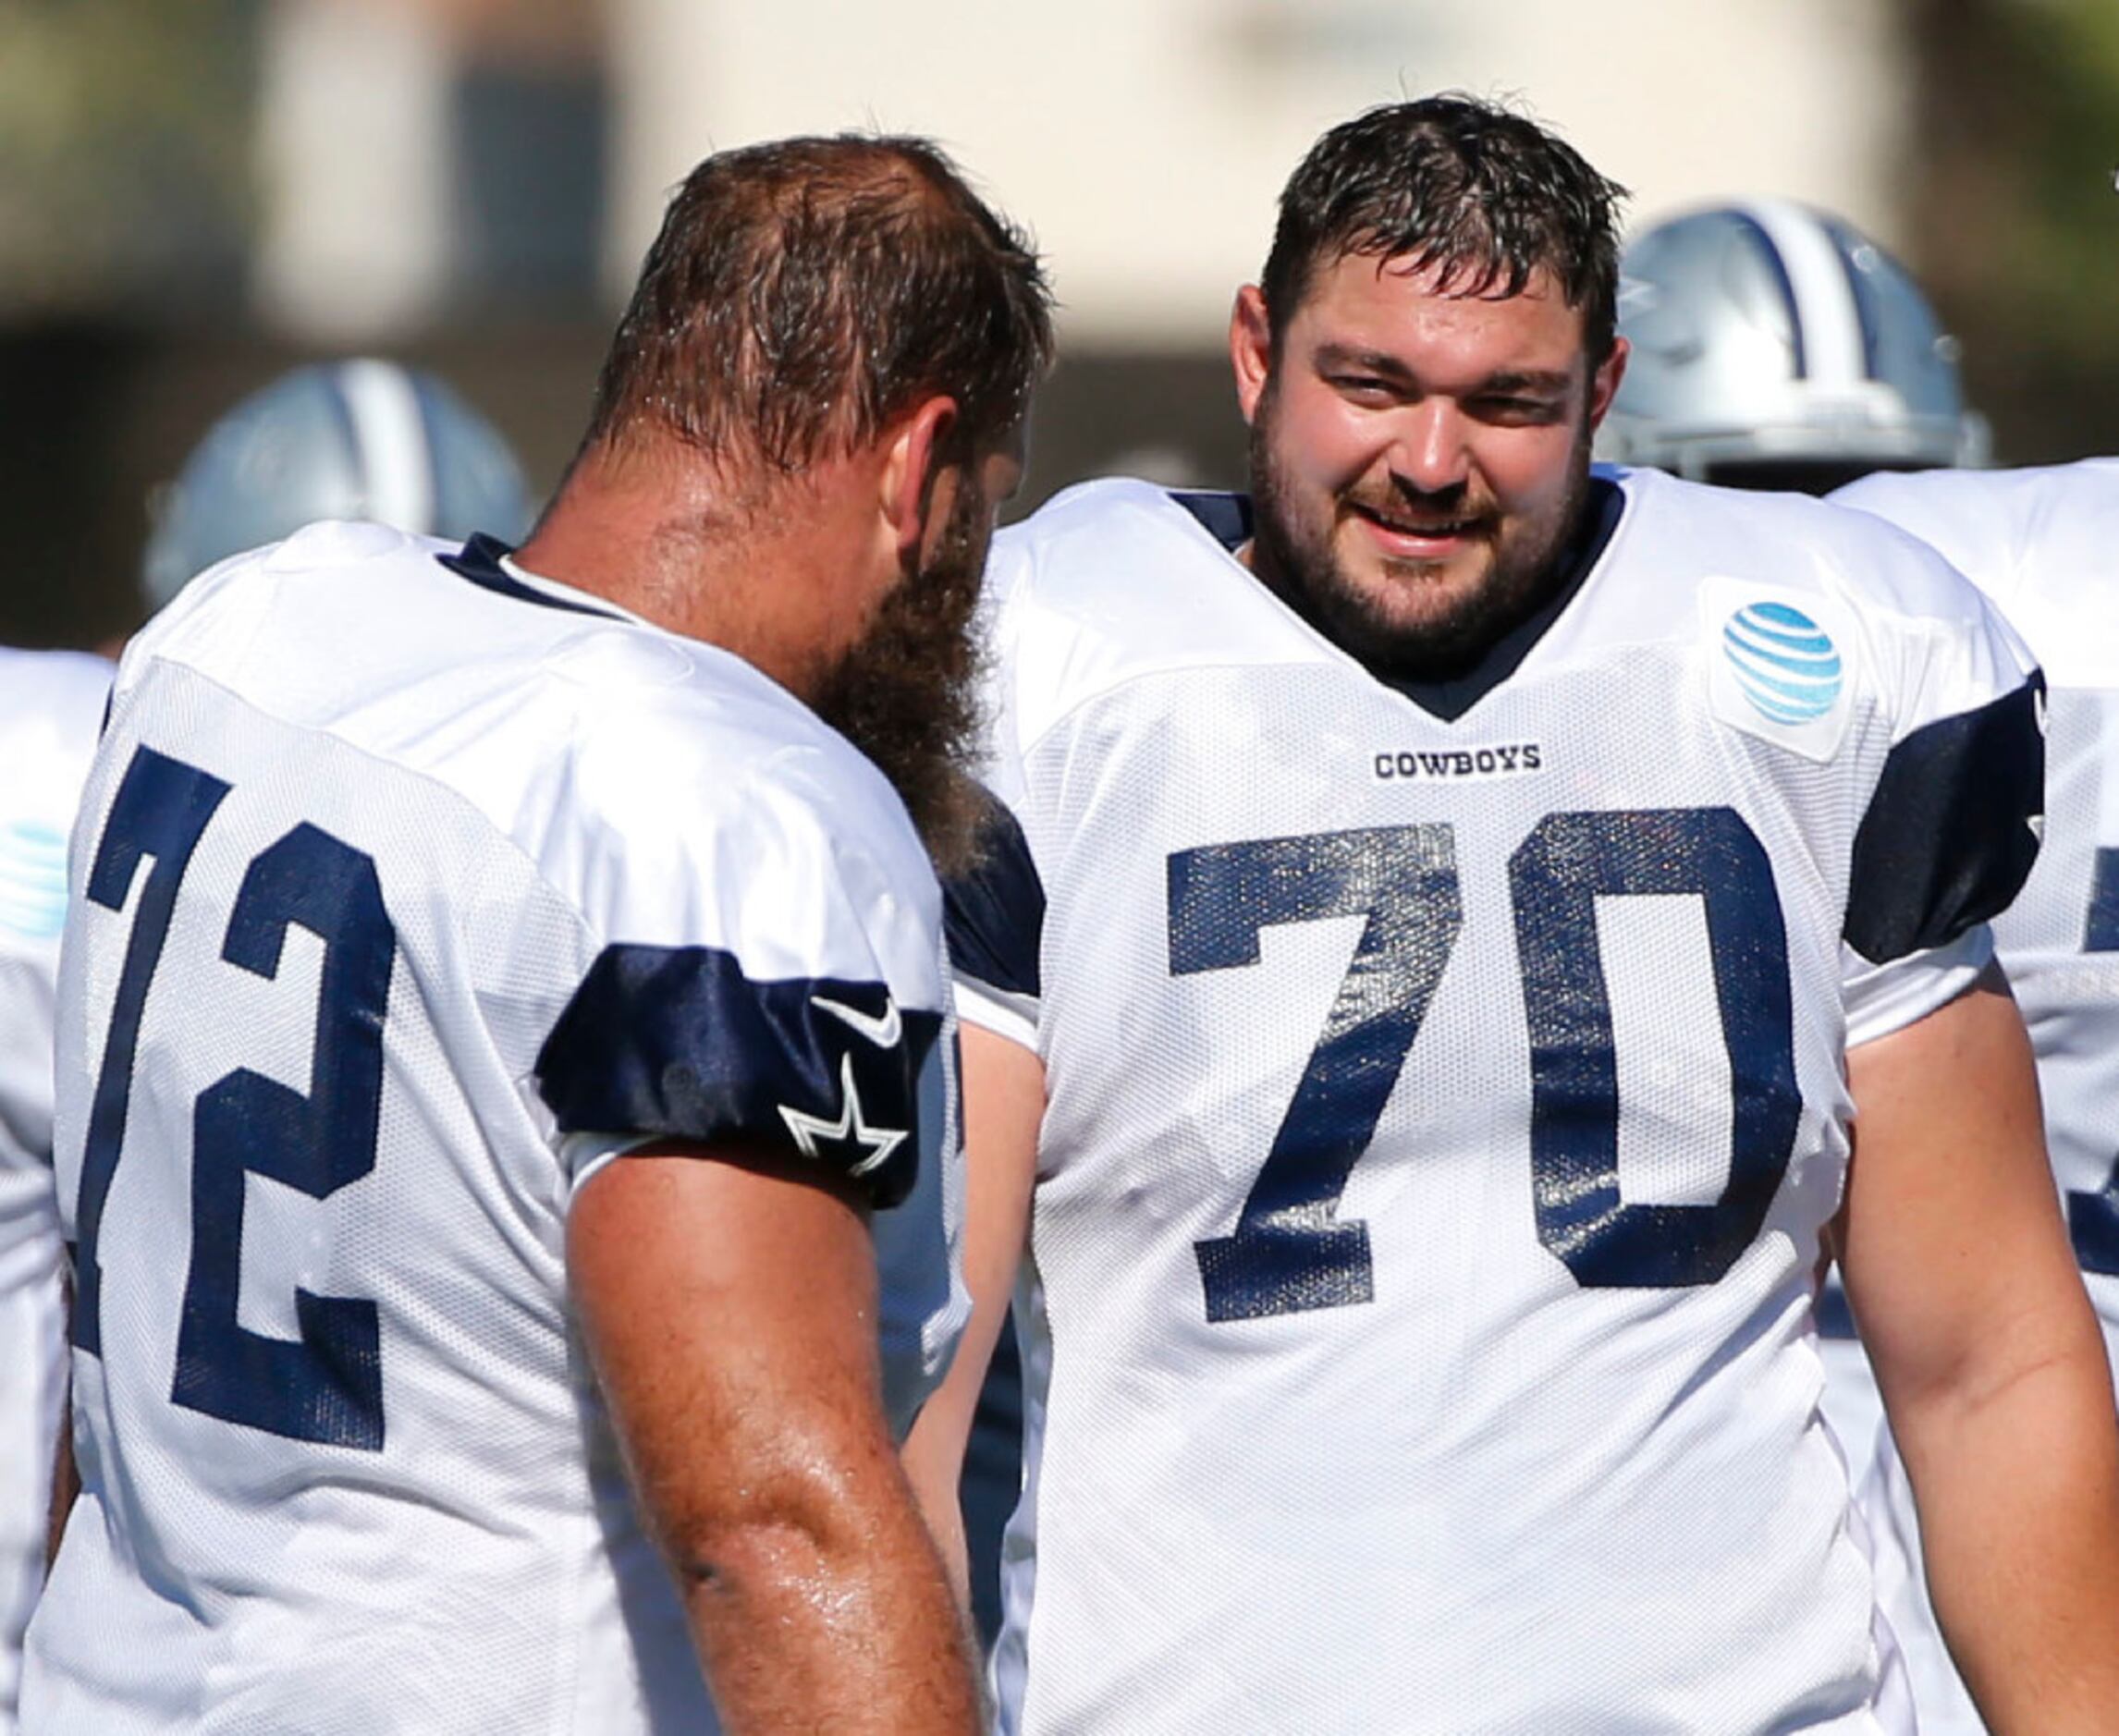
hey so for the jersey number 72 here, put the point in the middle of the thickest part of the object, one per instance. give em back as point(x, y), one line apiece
point(327, 1386)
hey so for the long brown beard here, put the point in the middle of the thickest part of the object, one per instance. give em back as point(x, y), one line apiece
point(907, 694)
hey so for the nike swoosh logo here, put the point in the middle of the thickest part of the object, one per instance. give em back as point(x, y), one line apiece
point(882, 1032)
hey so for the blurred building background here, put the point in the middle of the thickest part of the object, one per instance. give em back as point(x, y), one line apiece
point(196, 193)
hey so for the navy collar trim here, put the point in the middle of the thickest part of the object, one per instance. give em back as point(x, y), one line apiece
point(1450, 700)
point(480, 563)
point(1228, 518)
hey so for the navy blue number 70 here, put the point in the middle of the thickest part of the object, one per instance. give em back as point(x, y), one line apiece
point(327, 1386)
point(1290, 1252)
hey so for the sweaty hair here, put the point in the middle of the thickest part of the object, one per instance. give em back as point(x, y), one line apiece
point(1480, 195)
point(803, 293)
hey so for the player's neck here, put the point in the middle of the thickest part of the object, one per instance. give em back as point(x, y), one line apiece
point(780, 583)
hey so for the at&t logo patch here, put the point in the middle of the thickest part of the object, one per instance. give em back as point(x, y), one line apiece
point(1786, 664)
point(1781, 665)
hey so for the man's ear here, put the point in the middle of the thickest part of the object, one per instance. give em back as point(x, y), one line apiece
point(1250, 347)
point(1604, 382)
point(912, 461)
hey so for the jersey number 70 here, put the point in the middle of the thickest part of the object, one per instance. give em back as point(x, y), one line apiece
point(1290, 1252)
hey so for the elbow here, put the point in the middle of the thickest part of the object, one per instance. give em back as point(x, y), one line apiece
point(743, 1559)
point(770, 1539)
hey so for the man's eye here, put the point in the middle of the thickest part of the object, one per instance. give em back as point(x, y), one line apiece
point(1517, 408)
point(1362, 386)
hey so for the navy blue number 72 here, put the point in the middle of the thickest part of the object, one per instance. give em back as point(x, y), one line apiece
point(1289, 1251)
point(327, 1386)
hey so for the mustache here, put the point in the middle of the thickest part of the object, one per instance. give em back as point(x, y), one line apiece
point(1406, 508)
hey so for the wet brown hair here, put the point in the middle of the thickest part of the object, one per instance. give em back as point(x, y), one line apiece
point(803, 293)
point(1484, 194)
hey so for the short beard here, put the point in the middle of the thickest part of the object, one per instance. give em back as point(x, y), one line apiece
point(1297, 561)
point(907, 694)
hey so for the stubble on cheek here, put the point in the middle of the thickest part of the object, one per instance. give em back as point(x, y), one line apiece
point(1416, 620)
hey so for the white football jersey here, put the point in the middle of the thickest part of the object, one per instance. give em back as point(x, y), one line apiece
point(409, 890)
point(2041, 543)
point(51, 703)
point(1445, 1096)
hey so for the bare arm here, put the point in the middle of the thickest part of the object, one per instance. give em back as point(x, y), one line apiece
point(1004, 1102)
point(729, 1310)
point(1989, 1361)
point(65, 1474)
point(65, 1487)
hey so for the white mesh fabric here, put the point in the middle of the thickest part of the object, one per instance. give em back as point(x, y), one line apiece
point(2039, 542)
point(479, 1567)
point(50, 705)
point(1491, 1496)
point(1228, 1491)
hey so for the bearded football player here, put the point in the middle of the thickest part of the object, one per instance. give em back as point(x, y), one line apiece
point(506, 1122)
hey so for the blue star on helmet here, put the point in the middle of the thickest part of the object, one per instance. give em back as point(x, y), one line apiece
point(817, 1137)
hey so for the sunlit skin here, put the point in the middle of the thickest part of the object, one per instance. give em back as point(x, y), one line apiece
point(1420, 456)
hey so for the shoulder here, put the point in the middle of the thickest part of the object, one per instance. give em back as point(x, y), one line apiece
point(1115, 580)
point(51, 708)
point(654, 782)
point(51, 713)
point(1820, 545)
point(2036, 540)
point(717, 740)
point(716, 808)
point(1087, 539)
point(1903, 623)
point(1986, 521)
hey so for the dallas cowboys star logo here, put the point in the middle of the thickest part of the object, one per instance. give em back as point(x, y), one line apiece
point(817, 1137)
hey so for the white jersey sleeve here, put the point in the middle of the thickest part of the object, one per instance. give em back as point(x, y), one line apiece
point(1952, 827)
point(51, 706)
point(743, 990)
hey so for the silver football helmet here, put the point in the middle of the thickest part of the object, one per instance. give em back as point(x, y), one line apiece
point(361, 439)
point(1777, 347)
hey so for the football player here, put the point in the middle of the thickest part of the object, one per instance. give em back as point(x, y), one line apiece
point(1448, 912)
point(362, 439)
point(1777, 347)
point(506, 1122)
point(2039, 542)
point(50, 705)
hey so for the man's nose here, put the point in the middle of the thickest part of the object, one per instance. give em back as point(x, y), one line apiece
point(1429, 453)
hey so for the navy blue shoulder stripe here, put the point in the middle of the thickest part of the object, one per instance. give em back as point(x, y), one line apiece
point(677, 1041)
point(995, 912)
point(1952, 827)
point(480, 563)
